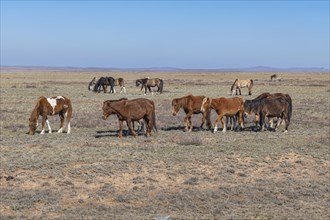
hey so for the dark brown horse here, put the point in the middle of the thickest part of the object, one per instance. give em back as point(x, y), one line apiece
point(147, 83)
point(104, 82)
point(130, 111)
point(191, 105)
point(241, 83)
point(50, 106)
point(251, 106)
point(225, 107)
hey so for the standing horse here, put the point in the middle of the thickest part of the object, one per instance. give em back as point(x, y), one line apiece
point(274, 78)
point(147, 83)
point(104, 82)
point(241, 83)
point(120, 82)
point(50, 106)
point(191, 105)
point(225, 107)
point(251, 106)
point(91, 85)
point(132, 110)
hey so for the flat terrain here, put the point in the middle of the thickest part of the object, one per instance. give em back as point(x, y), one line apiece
point(92, 174)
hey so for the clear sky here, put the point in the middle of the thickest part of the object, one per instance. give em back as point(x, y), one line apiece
point(183, 34)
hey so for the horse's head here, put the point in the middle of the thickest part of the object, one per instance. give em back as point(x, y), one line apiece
point(175, 106)
point(32, 126)
point(138, 82)
point(107, 110)
point(206, 103)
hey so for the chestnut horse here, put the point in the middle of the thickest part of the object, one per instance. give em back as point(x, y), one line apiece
point(252, 106)
point(191, 105)
point(130, 111)
point(225, 107)
point(241, 83)
point(50, 106)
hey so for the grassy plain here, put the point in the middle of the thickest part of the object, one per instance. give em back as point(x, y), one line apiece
point(92, 174)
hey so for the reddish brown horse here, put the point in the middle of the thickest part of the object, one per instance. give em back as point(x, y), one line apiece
point(191, 105)
point(252, 106)
point(130, 111)
point(50, 106)
point(225, 107)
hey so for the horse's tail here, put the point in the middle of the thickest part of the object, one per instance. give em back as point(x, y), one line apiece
point(161, 84)
point(69, 110)
point(232, 87)
point(154, 118)
point(288, 98)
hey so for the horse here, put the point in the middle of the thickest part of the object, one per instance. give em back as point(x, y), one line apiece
point(224, 107)
point(147, 83)
point(104, 82)
point(191, 105)
point(241, 83)
point(274, 78)
point(50, 106)
point(91, 85)
point(120, 82)
point(251, 106)
point(131, 110)
point(275, 107)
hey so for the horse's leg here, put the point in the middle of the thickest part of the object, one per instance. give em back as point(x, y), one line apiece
point(241, 119)
point(120, 133)
point(257, 119)
point(44, 119)
point(191, 124)
point(208, 119)
point(185, 122)
point(220, 116)
point(62, 122)
point(240, 91)
point(48, 125)
point(129, 124)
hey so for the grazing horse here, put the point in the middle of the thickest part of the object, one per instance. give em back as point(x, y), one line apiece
point(251, 106)
point(241, 83)
point(91, 85)
point(275, 107)
point(104, 82)
point(147, 83)
point(191, 105)
point(120, 82)
point(130, 111)
point(225, 107)
point(50, 106)
point(274, 78)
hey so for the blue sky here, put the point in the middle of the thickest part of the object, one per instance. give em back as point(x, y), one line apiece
point(183, 34)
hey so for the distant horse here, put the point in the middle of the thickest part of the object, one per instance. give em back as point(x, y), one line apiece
point(191, 105)
point(91, 85)
point(132, 110)
point(225, 107)
point(120, 82)
point(104, 82)
point(147, 83)
point(252, 106)
point(274, 78)
point(241, 83)
point(50, 106)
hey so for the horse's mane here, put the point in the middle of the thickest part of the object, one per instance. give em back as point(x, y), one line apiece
point(232, 87)
point(34, 112)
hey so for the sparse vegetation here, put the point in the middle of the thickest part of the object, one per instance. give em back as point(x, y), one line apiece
point(93, 174)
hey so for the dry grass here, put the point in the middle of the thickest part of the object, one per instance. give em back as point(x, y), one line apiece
point(92, 174)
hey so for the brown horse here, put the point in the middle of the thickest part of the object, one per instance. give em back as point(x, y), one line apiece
point(130, 111)
point(147, 83)
point(225, 107)
point(50, 106)
point(274, 77)
point(275, 107)
point(120, 82)
point(251, 106)
point(241, 83)
point(191, 105)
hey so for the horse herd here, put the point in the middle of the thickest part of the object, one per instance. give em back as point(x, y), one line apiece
point(142, 110)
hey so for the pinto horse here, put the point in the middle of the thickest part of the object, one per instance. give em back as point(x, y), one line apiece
point(225, 107)
point(252, 106)
point(241, 83)
point(191, 105)
point(50, 106)
point(147, 83)
point(130, 111)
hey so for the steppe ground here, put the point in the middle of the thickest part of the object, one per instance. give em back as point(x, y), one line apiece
point(92, 174)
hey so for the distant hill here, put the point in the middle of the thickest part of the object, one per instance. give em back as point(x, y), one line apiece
point(154, 69)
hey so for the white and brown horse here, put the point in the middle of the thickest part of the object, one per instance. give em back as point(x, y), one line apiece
point(241, 83)
point(57, 105)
